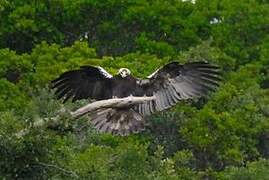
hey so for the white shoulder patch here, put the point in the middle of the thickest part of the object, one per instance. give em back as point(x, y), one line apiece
point(155, 72)
point(104, 72)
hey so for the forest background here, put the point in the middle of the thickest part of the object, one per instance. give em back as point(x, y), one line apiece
point(223, 136)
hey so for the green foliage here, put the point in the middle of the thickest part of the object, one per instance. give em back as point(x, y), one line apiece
point(253, 170)
point(21, 157)
point(222, 136)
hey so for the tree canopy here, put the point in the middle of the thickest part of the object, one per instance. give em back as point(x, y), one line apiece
point(223, 136)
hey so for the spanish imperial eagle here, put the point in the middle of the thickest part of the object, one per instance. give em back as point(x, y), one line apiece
point(169, 84)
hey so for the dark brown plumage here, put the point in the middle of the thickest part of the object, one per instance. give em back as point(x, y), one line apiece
point(175, 82)
point(169, 84)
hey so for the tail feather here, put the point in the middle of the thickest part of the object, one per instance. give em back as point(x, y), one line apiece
point(118, 121)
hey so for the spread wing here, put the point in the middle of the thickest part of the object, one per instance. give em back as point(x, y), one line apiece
point(87, 82)
point(174, 82)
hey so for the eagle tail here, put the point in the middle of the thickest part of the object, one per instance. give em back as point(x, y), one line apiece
point(118, 121)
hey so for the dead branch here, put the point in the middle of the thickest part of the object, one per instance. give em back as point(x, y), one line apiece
point(110, 103)
point(91, 107)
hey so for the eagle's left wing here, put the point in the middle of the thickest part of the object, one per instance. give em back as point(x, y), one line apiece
point(174, 82)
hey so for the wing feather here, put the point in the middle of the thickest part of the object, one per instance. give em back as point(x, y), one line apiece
point(87, 82)
point(174, 82)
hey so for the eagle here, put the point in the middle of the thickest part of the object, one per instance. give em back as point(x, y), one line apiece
point(169, 84)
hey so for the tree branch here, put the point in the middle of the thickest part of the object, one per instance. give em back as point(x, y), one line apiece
point(65, 171)
point(91, 107)
point(110, 103)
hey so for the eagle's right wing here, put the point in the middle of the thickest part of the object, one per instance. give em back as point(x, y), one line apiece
point(87, 82)
point(174, 82)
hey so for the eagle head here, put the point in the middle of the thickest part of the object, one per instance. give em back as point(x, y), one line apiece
point(124, 72)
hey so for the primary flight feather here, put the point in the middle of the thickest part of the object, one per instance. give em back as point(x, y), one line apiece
point(169, 84)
